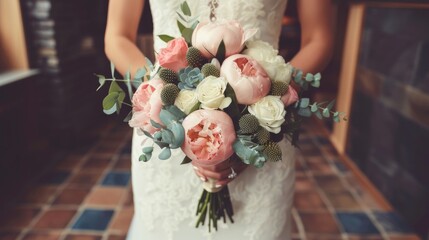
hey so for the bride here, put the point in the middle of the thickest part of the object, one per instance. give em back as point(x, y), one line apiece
point(165, 192)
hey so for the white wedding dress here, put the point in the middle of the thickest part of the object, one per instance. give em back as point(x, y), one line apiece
point(166, 193)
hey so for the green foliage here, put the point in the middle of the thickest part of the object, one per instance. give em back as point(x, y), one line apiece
point(165, 38)
point(319, 110)
point(221, 51)
point(249, 152)
point(308, 80)
point(185, 9)
point(186, 160)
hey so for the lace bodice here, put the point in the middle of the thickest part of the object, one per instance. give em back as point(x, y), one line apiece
point(265, 15)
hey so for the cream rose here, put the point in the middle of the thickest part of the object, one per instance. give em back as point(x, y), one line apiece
point(186, 100)
point(270, 112)
point(275, 66)
point(210, 92)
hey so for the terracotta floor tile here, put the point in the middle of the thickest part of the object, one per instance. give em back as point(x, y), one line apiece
point(351, 237)
point(82, 237)
point(123, 164)
point(320, 168)
point(85, 179)
point(404, 237)
point(129, 200)
point(105, 196)
point(304, 183)
point(330, 183)
point(19, 218)
point(70, 162)
point(319, 223)
point(117, 237)
point(71, 196)
point(39, 195)
point(308, 201)
point(47, 235)
point(324, 237)
point(122, 220)
point(343, 200)
point(55, 219)
point(96, 162)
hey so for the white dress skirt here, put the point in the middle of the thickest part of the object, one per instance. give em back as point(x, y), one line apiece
point(166, 193)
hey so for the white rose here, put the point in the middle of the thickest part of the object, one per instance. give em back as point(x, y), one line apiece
point(270, 112)
point(186, 100)
point(210, 92)
point(268, 57)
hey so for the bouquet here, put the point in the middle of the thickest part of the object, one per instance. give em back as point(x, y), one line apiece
point(217, 96)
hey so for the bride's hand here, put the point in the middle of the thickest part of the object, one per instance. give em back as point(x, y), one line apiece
point(220, 172)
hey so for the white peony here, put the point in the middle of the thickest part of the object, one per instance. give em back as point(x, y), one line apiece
point(270, 112)
point(186, 100)
point(210, 92)
point(267, 56)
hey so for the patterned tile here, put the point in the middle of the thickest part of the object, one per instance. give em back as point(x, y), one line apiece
point(366, 237)
point(308, 201)
point(55, 219)
point(71, 196)
point(93, 219)
point(85, 179)
point(117, 237)
point(330, 183)
point(39, 195)
point(304, 183)
point(97, 162)
point(83, 237)
point(392, 222)
point(56, 177)
point(46, 235)
point(343, 200)
point(116, 179)
point(122, 220)
point(18, 218)
point(357, 223)
point(319, 223)
point(105, 196)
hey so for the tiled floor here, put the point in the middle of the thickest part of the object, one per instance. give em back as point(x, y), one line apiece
point(88, 197)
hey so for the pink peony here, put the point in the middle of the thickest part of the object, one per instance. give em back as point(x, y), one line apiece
point(290, 97)
point(248, 79)
point(209, 136)
point(207, 36)
point(147, 105)
point(174, 55)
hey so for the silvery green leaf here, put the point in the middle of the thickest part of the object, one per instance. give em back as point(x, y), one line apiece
point(309, 77)
point(319, 115)
point(187, 34)
point(149, 63)
point(179, 134)
point(119, 101)
point(165, 154)
point(195, 24)
point(315, 84)
point(167, 136)
point(140, 73)
point(143, 158)
point(110, 100)
point(155, 124)
point(317, 77)
point(325, 113)
point(137, 82)
point(305, 112)
point(165, 38)
point(161, 144)
point(111, 110)
point(173, 109)
point(180, 26)
point(166, 117)
point(185, 8)
point(157, 135)
point(128, 84)
point(336, 118)
point(101, 80)
point(304, 102)
point(147, 150)
point(147, 134)
point(330, 105)
point(186, 160)
point(114, 87)
point(112, 69)
point(128, 117)
point(314, 107)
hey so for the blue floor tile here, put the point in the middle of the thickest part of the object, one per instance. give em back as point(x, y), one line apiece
point(93, 219)
point(116, 179)
point(357, 223)
point(57, 177)
point(392, 222)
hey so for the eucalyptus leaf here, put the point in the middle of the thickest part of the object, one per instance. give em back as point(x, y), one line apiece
point(128, 117)
point(119, 101)
point(305, 112)
point(167, 117)
point(180, 26)
point(110, 100)
point(137, 82)
point(195, 24)
point(112, 69)
point(111, 110)
point(315, 84)
point(165, 154)
point(157, 135)
point(325, 113)
point(185, 8)
point(114, 87)
point(143, 158)
point(309, 77)
point(314, 108)
point(304, 102)
point(161, 144)
point(336, 118)
point(147, 150)
point(187, 35)
point(147, 134)
point(128, 84)
point(101, 80)
point(167, 136)
point(330, 105)
point(317, 77)
point(319, 115)
point(165, 38)
point(179, 134)
point(149, 63)
point(186, 160)
point(155, 124)
point(173, 109)
point(140, 73)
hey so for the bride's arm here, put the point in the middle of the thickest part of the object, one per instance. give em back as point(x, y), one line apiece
point(317, 19)
point(121, 33)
